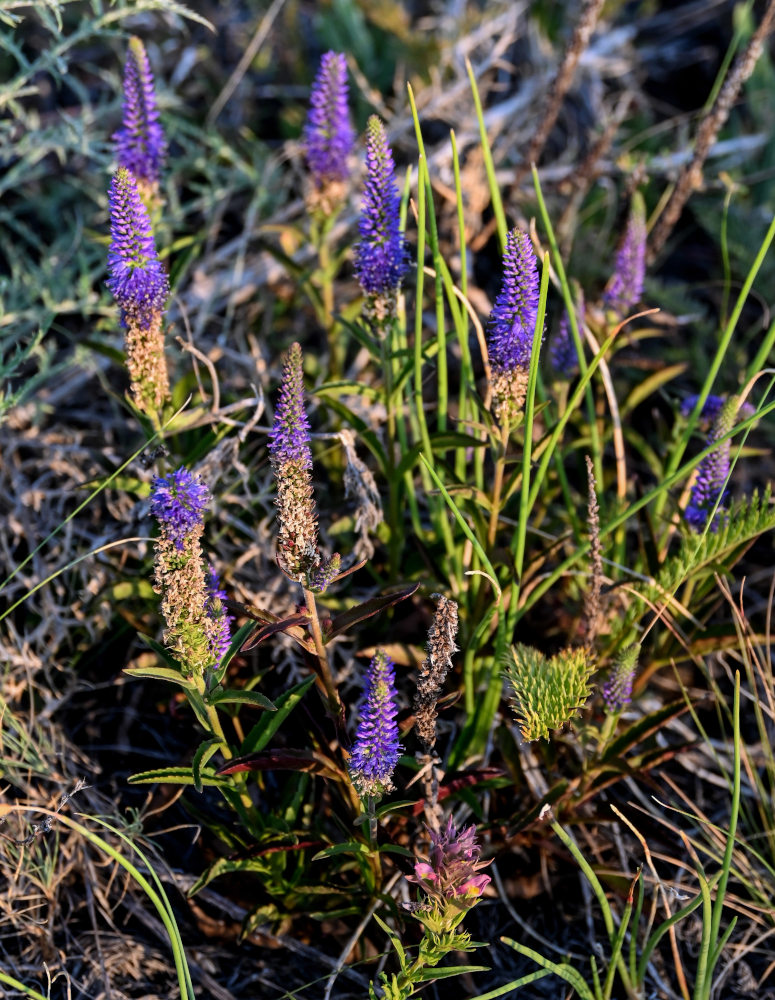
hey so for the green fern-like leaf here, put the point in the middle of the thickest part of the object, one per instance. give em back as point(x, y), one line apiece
point(700, 556)
point(546, 693)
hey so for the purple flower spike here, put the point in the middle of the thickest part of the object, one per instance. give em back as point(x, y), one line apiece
point(625, 287)
point(712, 474)
point(137, 280)
point(289, 436)
point(328, 135)
point(512, 325)
point(140, 145)
point(381, 258)
point(376, 749)
point(451, 873)
point(617, 690)
point(562, 354)
point(221, 631)
point(179, 503)
point(291, 459)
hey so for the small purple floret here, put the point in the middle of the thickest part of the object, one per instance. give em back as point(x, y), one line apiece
point(328, 135)
point(381, 258)
point(179, 502)
point(513, 317)
point(137, 279)
point(376, 749)
point(140, 145)
point(289, 436)
point(221, 634)
point(625, 287)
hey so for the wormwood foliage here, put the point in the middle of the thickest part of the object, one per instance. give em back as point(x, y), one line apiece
point(546, 692)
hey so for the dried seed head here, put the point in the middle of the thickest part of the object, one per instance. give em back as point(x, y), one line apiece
point(434, 669)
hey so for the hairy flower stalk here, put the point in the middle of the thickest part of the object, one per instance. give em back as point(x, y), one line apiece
point(625, 286)
point(140, 287)
point(712, 474)
point(328, 135)
point(511, 328)
point(193, 633)
point(381, 258)
point(140, 144)
point(376, 750)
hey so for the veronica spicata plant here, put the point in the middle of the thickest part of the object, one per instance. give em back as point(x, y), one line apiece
point(195, 627)
point(381, 258)
point(625, 287)
point(376, 750)
point(511, 328)
point(140, 287)
point(708, 492)
point(140, 143)
point(328, 134)
point(289, 449)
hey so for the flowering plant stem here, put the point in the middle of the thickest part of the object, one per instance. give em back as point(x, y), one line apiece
point(334, 702)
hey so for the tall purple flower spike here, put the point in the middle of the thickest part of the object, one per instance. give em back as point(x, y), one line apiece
point(376, 749)
point(562, 353)
point(328, 135)
point(140, 144)
point(512, 325)
point(137, 279)
point(712, 474)
point(193, 632)
point(451, 874)
point(381, 258)
point(289, 451)
point(625, 286)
